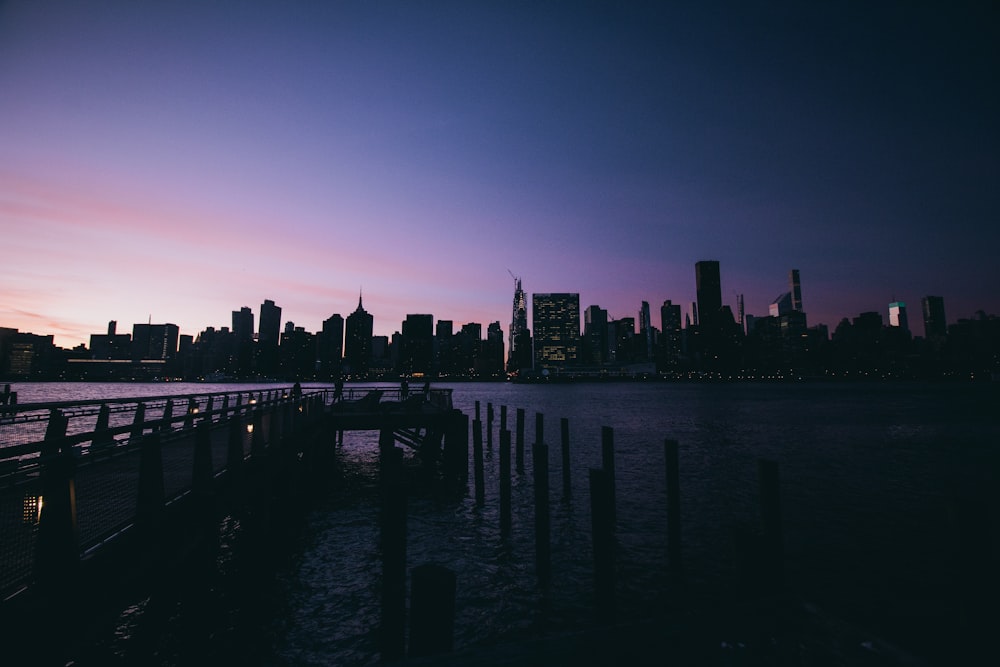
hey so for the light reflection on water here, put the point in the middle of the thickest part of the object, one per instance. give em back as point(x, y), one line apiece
point(864, 469)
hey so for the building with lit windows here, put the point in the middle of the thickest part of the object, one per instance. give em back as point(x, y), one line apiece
point(555, 321)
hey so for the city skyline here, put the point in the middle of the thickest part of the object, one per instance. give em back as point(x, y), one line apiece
point(175, 163)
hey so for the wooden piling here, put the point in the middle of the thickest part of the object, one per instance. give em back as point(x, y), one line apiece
point(489, 426)
point(432, 610)
point(393, 628)
point(503, 417)
point(477, 417)
point(670, 450)
point(602, 529)
point(519, 441)
point(543, 560)
point(505, 489)
point(477, 461)
point(564, 439)
point(608, 464)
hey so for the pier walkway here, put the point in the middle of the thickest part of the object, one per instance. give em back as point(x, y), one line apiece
point(78, 478)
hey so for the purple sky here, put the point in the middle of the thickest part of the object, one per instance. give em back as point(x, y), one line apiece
point(179, 160)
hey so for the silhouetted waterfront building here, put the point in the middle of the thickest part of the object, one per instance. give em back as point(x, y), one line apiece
point(796, 287)
point(897, 316)
point(112, 345)
point(330, 346)
point(297, 354)
point(935, 325)
point(243, 352)
point(622, 341)
point(268, 337)
point(781, 306)
point(358, 341)
point(670, 336)
point(555, 318)
point(594, 346)
point(491, 363)
point(154, 341)
point(646, 332)
point(708, 284)
point(418, 344)
point(519, 350)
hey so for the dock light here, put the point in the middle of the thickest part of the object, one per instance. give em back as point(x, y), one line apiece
point(194, 410)
point(253, 401)
point(32, 511)
point(249, 428)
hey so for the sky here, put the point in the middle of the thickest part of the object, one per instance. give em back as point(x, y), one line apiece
point(175, 161)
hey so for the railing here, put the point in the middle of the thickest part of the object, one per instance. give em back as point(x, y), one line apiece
point(439, 398)
point(92, 459)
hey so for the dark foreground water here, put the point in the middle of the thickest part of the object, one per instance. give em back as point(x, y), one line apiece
point(867, 475)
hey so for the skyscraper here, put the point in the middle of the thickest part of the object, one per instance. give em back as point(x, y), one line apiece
point(555, 318)
point(519, 352)
point(418, 344)
point(154, 341)
point(358, 341)
point(935, 325)
point(670, 336)
point(897, 315)
point(708, 284)
point(330, 346)
point(270, 323)
point(796, 289)
point(243, 324)
point(595, 335)
point(646, 330)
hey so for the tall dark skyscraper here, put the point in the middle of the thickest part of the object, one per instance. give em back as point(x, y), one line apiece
point(646, 330)
point(519, 350)
point(270, 323)
point(268, 337)
point(595, 335)
point(935, 326)
point(358, 341)
point(796, 289)
point(330, 346)
point(154, 341)
point(243, 324)
point(670, 333)
point(708, 284)
point(418, 344)
point(555, 319)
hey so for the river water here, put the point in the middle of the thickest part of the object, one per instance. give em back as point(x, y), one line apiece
point(867, 473)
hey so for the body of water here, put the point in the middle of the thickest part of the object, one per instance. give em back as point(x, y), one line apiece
point(868, 473)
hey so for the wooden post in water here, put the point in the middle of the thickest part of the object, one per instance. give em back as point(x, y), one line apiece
point(770, 514)
point(393, 628)
point(432, 610)
point(564, 438)
point(519, 442)
point(505, 511)
point(608, 464)
point(477, 462)
point(503, 417)
point(477, 417)
point(489, 426)
point(543, 558)
point(602, 528)
point(57, 549)
point(673, 506)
